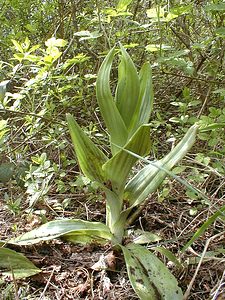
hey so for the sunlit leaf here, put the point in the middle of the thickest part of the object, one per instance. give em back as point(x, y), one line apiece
point(17, 46)
point(150, 177)
point(153, 13)
point(53, 42)
point(157, 47)
point(122, 4)
point(59, 228)
point(212, 126)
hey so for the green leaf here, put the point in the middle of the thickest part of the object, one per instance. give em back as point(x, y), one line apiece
point(150, 177)
point(84, 239)
point(149, 276)
point(122, 4)
point(87, 35)
point(15, 265)
point(204, 227)
point(89, 156)
point(138, 277)
point(113, 208)
point(145, 100)
point(212, 126)
point(157, 47)
point(109, 111)
point(119, 166)
point(60, 228)
point(128, 87)
point(17, 46)
point(53, 42)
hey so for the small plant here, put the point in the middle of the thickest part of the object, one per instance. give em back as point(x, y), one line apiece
point(126, 117)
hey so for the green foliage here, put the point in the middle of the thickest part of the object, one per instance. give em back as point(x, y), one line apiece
point(50, 56)
point(148, 275)
point(112, 175)
point(15, 265)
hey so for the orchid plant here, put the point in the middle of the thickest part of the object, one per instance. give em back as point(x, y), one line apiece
point(126, 116)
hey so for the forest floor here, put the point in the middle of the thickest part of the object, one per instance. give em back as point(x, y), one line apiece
point(69, 272)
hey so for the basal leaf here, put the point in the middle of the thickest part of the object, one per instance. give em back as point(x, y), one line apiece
point(148, 269)
point(113, 120)
point(138, 277)
point(59, 228)
point(150, 177)
point(89, 156)
point(128, 87)
point(15, 265)
point(119, 166)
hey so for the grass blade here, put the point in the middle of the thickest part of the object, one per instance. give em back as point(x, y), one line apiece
point(204, 227)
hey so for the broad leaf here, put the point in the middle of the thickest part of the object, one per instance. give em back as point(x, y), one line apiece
point(119, 166)
point(145, 100)
point(128, 87)
point(89, 156)
point(149, 277)
point(59, 228)
point(107, 105)
point(84, 239)
point(15, 265)
point(150, 177)
point(138, 278)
